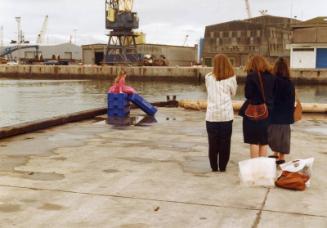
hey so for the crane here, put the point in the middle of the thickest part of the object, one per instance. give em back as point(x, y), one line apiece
point(41, 36)
point(19, 30)
point(1, 36)
point(248, 8)
point(185, 40)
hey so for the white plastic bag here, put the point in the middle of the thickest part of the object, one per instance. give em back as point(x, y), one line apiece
point(258, 172)
point(300, 165)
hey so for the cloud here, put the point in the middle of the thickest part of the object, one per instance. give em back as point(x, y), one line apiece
point(163, 21)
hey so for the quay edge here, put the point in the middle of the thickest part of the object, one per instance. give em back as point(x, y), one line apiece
point(301, 76)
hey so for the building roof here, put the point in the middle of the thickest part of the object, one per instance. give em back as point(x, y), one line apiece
point(272, 20)
point(314, 22)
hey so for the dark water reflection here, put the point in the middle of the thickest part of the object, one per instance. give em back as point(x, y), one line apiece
point(26, 100)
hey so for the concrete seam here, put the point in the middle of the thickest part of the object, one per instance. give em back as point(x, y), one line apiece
point(258, 218)
point(168, 201)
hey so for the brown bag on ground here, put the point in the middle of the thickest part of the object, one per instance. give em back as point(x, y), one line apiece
point(292, 181)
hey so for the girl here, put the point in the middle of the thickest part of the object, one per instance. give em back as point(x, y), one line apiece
point(259, 89)
point(221, 86)
point(279, 131)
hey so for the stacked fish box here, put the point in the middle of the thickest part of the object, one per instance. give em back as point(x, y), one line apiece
point(118, 105)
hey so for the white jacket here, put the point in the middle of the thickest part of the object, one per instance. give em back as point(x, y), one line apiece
point(220, 93)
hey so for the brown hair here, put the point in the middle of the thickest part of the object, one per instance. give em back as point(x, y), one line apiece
point(222, 68)
point(281, 68)
point(257, 64)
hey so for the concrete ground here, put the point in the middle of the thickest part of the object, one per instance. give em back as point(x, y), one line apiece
point(90, 174)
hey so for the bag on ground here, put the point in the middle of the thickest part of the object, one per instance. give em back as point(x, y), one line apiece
point(258, 172)
point(296, 174)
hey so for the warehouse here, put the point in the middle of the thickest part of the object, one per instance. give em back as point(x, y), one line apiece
point(176, 55)
point(309, 45)
point(65, 51)
point(265, 35)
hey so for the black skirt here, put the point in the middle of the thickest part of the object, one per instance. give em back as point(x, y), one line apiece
point(255, 132)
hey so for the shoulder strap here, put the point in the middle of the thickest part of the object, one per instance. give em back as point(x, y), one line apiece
point(261, 87)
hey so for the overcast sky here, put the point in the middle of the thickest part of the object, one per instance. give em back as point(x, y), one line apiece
point(163, 21)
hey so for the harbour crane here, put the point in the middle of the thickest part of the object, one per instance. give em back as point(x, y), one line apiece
point(41, 36)
point(19, 30)
point(1, 36)
point(121, 21)
point(248, 8)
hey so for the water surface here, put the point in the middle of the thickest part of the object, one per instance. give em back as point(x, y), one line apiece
point(26, 100)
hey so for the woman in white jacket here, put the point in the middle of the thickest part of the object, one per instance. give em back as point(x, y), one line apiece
point(221, 86)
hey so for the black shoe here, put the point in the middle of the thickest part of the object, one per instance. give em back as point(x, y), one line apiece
point(279, 162)
point(222, 170)
point(273, 156)
point(215, 170)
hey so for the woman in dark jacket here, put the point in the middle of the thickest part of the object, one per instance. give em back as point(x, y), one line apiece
point(256, 132)
point(279, 131)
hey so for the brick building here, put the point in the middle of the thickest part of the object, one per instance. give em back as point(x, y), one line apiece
point(265, 35)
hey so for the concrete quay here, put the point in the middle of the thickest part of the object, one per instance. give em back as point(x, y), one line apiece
point(90, 174)
point(303, 76)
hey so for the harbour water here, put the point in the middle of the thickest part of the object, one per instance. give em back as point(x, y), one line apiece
point(27, 100)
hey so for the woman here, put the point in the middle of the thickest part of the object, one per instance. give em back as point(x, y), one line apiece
point(279, 131)
point(221, 86)
point(255, 132)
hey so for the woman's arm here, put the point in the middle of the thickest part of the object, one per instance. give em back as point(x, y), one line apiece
point(233, 86)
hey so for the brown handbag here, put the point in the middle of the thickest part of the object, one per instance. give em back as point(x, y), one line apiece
point(298, 110)
point(258, 112)
point(292, 181)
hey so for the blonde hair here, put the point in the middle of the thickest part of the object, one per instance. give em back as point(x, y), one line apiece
point(121, 74)
point(258, 64)
point(222, 68)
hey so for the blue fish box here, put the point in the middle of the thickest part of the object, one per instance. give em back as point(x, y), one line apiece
point(118, 105)
point(143, 104)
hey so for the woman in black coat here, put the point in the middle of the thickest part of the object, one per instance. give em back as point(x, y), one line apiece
point(279, 131)
point(256, 132)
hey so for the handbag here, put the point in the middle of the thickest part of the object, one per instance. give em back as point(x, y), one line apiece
point(298, 110)
point(258, 112)
point(292, 181)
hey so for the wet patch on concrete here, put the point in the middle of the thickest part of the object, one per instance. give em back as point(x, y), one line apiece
point(9, 208)
point(28, 201)
point(111, 171)
point(39, 176)
point(8, 163)
point(28, 138)
point(51, 207)
point(59, 158)
point(136, 225)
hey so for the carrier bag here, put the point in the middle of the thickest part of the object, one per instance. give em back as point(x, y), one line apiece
point(258, 172)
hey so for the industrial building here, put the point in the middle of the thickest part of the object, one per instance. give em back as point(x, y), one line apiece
point(176, 55)
point(265, 35)
point(65, 51)
point(309, 44)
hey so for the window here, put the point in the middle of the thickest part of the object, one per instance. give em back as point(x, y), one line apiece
point(212, 35)
point(208, 62)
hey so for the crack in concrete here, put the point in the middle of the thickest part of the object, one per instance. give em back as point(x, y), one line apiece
point(256, 223)
point(258, 218)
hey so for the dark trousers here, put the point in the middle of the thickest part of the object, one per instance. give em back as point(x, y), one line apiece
point(219, 136)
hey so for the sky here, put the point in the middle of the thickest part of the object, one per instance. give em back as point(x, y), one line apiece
point(163, 21)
